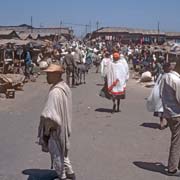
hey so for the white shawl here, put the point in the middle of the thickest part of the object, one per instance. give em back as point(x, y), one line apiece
point(57, 114)
point(116, 77)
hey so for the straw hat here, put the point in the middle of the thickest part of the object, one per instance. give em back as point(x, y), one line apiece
point(55, 68)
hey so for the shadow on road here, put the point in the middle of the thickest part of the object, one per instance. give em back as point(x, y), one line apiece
point(40, 174)
point(103, 110)
point(154, 167)
point(98, 84)
point(150, 125)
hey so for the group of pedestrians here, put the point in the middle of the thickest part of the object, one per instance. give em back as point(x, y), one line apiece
point(55, 122)
point(166, 98)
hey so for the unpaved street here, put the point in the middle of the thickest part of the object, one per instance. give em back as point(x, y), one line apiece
point(104, 146)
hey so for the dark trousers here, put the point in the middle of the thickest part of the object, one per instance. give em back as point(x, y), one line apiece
point(27, 71)
point(70, 73)
point(174, 153)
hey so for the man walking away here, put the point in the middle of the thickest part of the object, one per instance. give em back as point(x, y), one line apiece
point(70, 65)
point(28, 64)
point(170, 93)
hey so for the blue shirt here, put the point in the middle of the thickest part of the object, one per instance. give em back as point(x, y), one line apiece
point(28, 58)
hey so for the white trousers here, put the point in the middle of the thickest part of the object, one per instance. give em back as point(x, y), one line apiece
point(61, 163)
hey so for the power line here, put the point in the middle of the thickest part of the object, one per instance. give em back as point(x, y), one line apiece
point(88, 28)
point(73, 24)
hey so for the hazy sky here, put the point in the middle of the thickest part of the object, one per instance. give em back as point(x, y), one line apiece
point(122, 13)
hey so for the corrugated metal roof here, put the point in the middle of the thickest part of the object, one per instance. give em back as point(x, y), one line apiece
point(52, 30)
point(112, 29)
point(128, 30)
point(43, 34)
point(20, 42)
point(34, 35)
point(13, 41)
point(23, 36)
point(173, 33)
point(6, 32)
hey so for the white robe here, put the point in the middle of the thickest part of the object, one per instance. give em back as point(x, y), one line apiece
point(57, 114)
point(116, 78)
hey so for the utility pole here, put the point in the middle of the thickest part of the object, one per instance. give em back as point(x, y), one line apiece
point(60, 26)
point(31, 24)
point(97, 25)
point(90, 26)
point(86, 30)
point(158, 31)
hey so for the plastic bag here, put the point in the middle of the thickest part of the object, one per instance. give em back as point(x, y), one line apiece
point(154, 102)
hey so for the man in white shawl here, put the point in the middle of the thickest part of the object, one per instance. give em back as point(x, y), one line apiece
point(55, 123)
point(116, 79)
point(104, 64)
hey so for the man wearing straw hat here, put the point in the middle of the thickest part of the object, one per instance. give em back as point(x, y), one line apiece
point(55, 122)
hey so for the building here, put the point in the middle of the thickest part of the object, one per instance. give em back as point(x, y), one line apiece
point(173, 36)
point(8, 34)
point(26, 31)
point(128, 35)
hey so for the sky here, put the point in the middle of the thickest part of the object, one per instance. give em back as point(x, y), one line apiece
point(144, 14)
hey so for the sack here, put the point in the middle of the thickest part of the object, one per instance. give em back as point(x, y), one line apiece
point(146, 77)
point(154, 102)
point(104, 93)
point(150, 104)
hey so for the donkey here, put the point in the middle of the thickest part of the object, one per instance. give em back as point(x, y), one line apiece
point(81, 73)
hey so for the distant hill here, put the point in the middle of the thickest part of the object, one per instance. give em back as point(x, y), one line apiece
point(21, 25)
point(25, 25)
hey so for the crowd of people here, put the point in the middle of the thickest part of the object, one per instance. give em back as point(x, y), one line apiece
point(55, 122)
point(113, 65)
